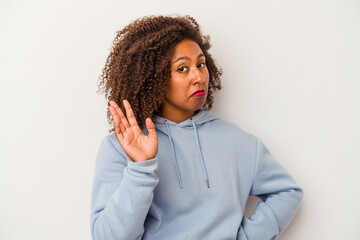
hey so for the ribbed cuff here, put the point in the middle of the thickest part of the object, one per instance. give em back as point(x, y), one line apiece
point(148, 166)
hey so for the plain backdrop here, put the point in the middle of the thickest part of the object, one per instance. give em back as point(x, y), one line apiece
point(291, 77)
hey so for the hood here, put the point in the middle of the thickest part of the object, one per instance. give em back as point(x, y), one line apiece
point(200, 118)
point(193, 123)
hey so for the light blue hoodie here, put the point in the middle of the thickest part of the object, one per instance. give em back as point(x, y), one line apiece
point(195, 188)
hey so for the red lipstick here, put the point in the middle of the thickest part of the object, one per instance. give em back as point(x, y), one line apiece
point(200, 93)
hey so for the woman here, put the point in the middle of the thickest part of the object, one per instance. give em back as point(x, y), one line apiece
point(171, 168)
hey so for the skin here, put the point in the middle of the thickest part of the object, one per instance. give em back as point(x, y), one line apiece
point(188, 75)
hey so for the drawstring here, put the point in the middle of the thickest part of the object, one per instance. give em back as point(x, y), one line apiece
point(201, 156)
point(199, 151)
point(173, 154)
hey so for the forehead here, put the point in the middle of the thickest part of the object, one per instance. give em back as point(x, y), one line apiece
point(186, 48)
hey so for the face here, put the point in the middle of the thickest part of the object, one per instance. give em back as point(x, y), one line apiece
point(189, 74)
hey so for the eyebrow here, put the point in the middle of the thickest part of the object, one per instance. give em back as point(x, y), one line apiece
point(187, 58)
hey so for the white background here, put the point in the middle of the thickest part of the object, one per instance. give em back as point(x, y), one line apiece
point(291, 77)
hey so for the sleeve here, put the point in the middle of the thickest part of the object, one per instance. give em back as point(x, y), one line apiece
point(280, 196)
point(122, 194)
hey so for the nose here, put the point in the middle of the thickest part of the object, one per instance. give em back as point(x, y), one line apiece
point(197, 76)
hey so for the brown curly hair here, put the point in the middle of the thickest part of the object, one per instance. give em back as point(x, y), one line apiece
point(138, 68)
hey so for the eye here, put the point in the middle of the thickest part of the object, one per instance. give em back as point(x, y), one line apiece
point(201, 65)
point(182, 69)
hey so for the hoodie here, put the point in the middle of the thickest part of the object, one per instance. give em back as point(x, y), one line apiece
point(196, 187)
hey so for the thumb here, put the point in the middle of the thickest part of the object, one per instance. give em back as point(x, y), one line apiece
point(151, 128)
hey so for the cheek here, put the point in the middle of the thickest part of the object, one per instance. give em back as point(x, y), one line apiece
point(207, 80)
point(207, 75)
point(175, 90)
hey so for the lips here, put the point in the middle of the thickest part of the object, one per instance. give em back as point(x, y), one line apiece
point(199, 93)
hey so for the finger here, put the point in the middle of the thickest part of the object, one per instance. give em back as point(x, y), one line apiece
point(130, 114)
point(151, 128)
point(119, 125)
point(120, 113)
point(119, 128)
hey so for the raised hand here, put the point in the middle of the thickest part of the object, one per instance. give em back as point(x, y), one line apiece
point(135, 144)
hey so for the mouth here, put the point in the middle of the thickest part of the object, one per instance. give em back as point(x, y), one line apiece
point(199, 93)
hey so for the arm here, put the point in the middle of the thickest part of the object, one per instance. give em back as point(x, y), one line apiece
point(281, 199)
point(122, 194)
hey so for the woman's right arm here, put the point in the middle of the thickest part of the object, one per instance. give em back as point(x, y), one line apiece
point(122, 194)
point(124, 184)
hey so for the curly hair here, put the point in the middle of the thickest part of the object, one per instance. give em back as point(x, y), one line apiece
point(138, 68)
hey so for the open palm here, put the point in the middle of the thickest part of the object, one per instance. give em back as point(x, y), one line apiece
point(134, 142)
